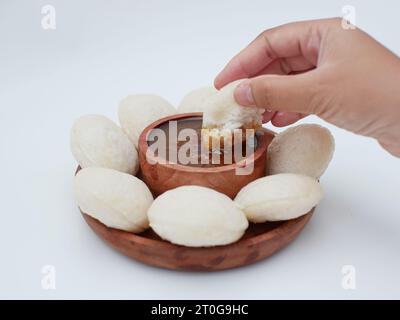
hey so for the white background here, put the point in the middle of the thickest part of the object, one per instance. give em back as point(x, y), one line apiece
point(103, 50)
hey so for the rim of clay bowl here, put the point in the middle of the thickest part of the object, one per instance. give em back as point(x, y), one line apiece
point(143, 146)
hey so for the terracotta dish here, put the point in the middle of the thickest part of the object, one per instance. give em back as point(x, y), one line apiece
point(161, 177)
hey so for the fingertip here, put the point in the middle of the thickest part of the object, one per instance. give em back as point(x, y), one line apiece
point(282, 119)
point(218, 84)
point(231, 72)
point(222, 79)
point(267, 116)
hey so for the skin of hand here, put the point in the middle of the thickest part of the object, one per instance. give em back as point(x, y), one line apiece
point(318, 67)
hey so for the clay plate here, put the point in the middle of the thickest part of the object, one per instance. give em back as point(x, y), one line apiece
point(259, 242)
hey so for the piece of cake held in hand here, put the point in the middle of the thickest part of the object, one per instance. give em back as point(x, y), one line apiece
point(222, 115)
point(304, 149)
point(116, 199)
point(278, 197)
point(196, 216)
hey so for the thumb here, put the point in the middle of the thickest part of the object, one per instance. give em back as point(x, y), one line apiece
point(291, 93)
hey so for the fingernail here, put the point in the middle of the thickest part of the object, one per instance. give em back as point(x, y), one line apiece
point(243, 94)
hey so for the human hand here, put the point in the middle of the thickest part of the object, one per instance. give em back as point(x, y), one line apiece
point(317, 67)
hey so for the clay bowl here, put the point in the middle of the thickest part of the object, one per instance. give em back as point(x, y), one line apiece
point(161, 177)
point(259, 242)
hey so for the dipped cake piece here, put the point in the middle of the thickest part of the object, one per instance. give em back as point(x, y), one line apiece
point(223, 117)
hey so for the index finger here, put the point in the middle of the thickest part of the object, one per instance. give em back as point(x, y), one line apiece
point(298, 39)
